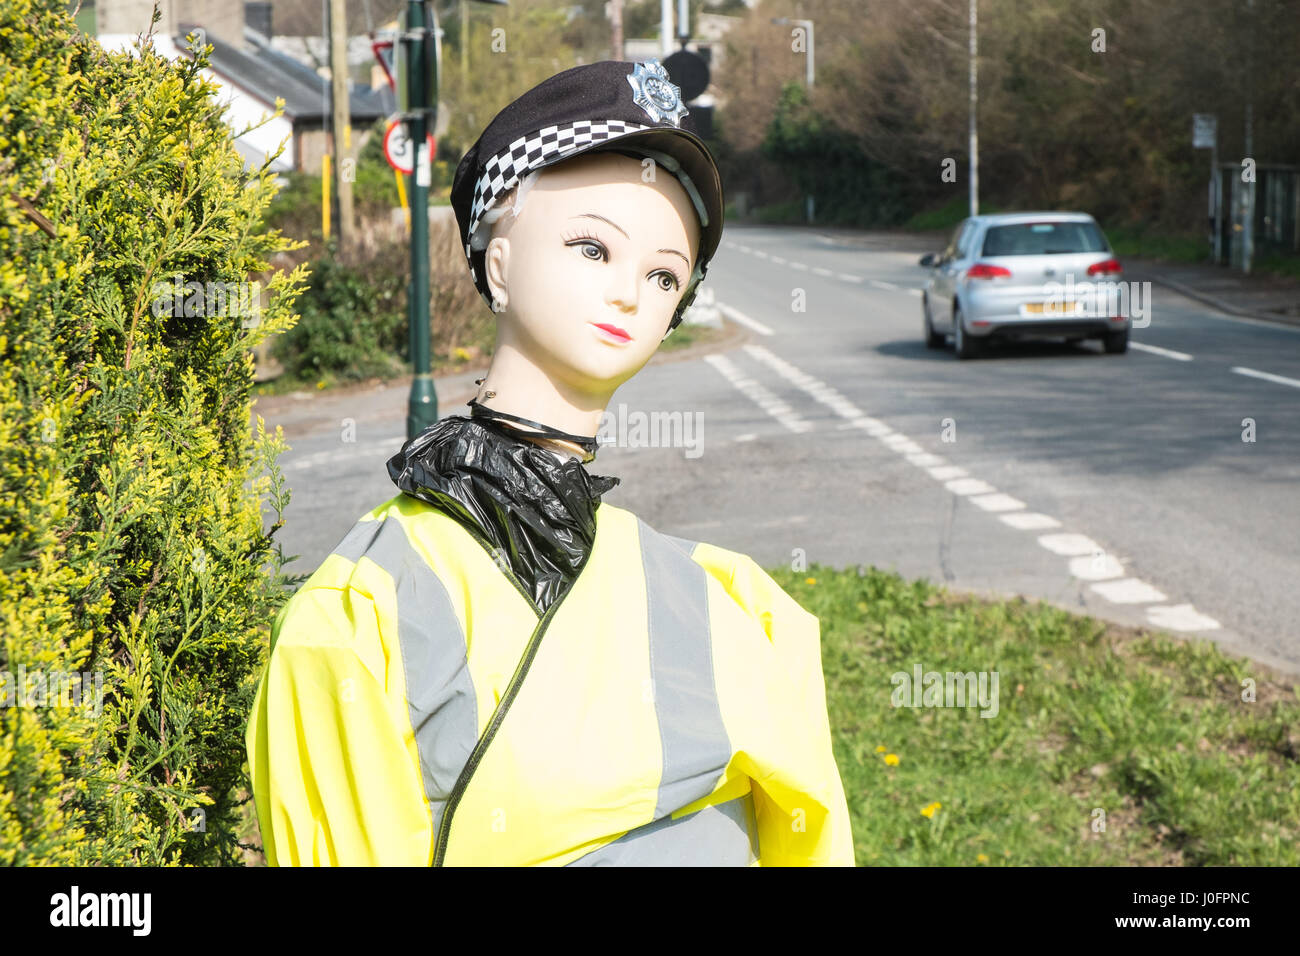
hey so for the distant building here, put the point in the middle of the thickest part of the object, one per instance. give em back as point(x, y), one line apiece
point(251, 72)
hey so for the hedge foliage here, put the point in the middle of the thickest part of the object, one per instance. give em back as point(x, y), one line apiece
point(132, 546)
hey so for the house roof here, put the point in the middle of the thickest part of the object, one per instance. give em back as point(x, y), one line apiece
point(266, 74)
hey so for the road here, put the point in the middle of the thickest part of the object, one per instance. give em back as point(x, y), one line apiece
point(1118, 486)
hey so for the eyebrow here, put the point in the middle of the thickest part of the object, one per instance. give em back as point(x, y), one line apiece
point(592, 215)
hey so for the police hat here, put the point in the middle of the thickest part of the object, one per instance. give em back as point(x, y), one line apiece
point(610, 106)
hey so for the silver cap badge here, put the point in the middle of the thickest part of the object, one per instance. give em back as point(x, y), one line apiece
point(652, 91)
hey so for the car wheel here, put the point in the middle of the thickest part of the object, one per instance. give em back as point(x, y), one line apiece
point(933, 339)
point(966, 346)
point(1115, 343)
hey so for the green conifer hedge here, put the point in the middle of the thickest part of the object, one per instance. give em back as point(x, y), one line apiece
point(137, 581)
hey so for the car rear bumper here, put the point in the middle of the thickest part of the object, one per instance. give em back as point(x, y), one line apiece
point(1038, 327)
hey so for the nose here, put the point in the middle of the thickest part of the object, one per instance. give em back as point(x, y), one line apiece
point(622, 291)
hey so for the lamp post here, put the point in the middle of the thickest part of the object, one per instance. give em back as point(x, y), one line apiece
point(419, 39)
point(974, 135)
point(809, 76)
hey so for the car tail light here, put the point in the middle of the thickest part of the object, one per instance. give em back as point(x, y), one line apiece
point(1109, 267)
point(982, 270)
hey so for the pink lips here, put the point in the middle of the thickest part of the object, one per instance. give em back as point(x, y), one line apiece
point(613, 331)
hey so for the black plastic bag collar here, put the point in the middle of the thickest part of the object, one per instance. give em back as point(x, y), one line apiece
point(538, 512)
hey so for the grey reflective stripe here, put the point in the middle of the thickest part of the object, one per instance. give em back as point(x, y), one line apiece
point(439, 690)
point(696, 748)
point(683, 543)
point(725, 834)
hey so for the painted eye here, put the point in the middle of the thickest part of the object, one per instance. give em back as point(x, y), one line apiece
point(593, 251)
point(667, 281)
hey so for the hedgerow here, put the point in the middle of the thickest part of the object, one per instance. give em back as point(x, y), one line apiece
point(132, 545)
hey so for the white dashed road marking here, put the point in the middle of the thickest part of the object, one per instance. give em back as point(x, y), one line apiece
point(1266, 376)
point(1070, 544)
point(1088, 560)
point(997, 502)
point(969, 486)
point(948, 472)
point(1096, 567)
point(1181, 617)
point(760, 395)
point(1129, 591)
point(737, 316)
point(1156, 350)
point(1029, 521)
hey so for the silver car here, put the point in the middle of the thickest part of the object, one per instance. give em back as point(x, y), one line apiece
point(1025, 275)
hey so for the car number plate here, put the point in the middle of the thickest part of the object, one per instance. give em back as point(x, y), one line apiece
point(1052, 308)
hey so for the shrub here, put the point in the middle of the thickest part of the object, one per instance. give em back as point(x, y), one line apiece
point(132, 547)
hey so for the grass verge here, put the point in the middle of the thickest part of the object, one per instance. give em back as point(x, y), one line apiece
point(1110, 746)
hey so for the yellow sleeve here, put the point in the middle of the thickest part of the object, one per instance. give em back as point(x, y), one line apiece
point(334, 781)
point(803, 816)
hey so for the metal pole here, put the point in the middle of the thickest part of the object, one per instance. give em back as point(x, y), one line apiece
point(422, 408)
point(1248, 189)
point(974, 135)
point(1216, 197)
point(812, 74)
point(342, 120)
point(666, 26)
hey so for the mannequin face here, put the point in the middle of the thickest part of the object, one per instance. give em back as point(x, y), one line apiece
point(594, 244)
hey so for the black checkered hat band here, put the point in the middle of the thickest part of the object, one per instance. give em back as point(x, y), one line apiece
point(507, 167)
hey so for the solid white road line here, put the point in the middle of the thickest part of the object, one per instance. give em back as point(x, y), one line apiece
point(1156, 350)
point(737, 316)
point(1280, 379)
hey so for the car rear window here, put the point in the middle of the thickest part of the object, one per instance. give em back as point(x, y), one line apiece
point(1043, 239)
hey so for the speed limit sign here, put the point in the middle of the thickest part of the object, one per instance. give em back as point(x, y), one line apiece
point(397, 147)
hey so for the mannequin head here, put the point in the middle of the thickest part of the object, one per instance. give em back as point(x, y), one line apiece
point(602, 238)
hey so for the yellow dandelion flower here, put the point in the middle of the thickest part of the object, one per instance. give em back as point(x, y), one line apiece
point(931, 810)
point(891, 759)
point(810, 581)
point(320, 384)
point(981, 858)
point(881, 749)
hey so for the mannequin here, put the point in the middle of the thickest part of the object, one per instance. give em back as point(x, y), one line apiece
point(546, 269)
point(496, 667)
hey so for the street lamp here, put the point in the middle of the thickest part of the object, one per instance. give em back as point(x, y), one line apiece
point(808, 25)
point(419, 38)
point(808, 75)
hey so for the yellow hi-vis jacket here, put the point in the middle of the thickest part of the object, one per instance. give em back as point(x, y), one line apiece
point(668, 710)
